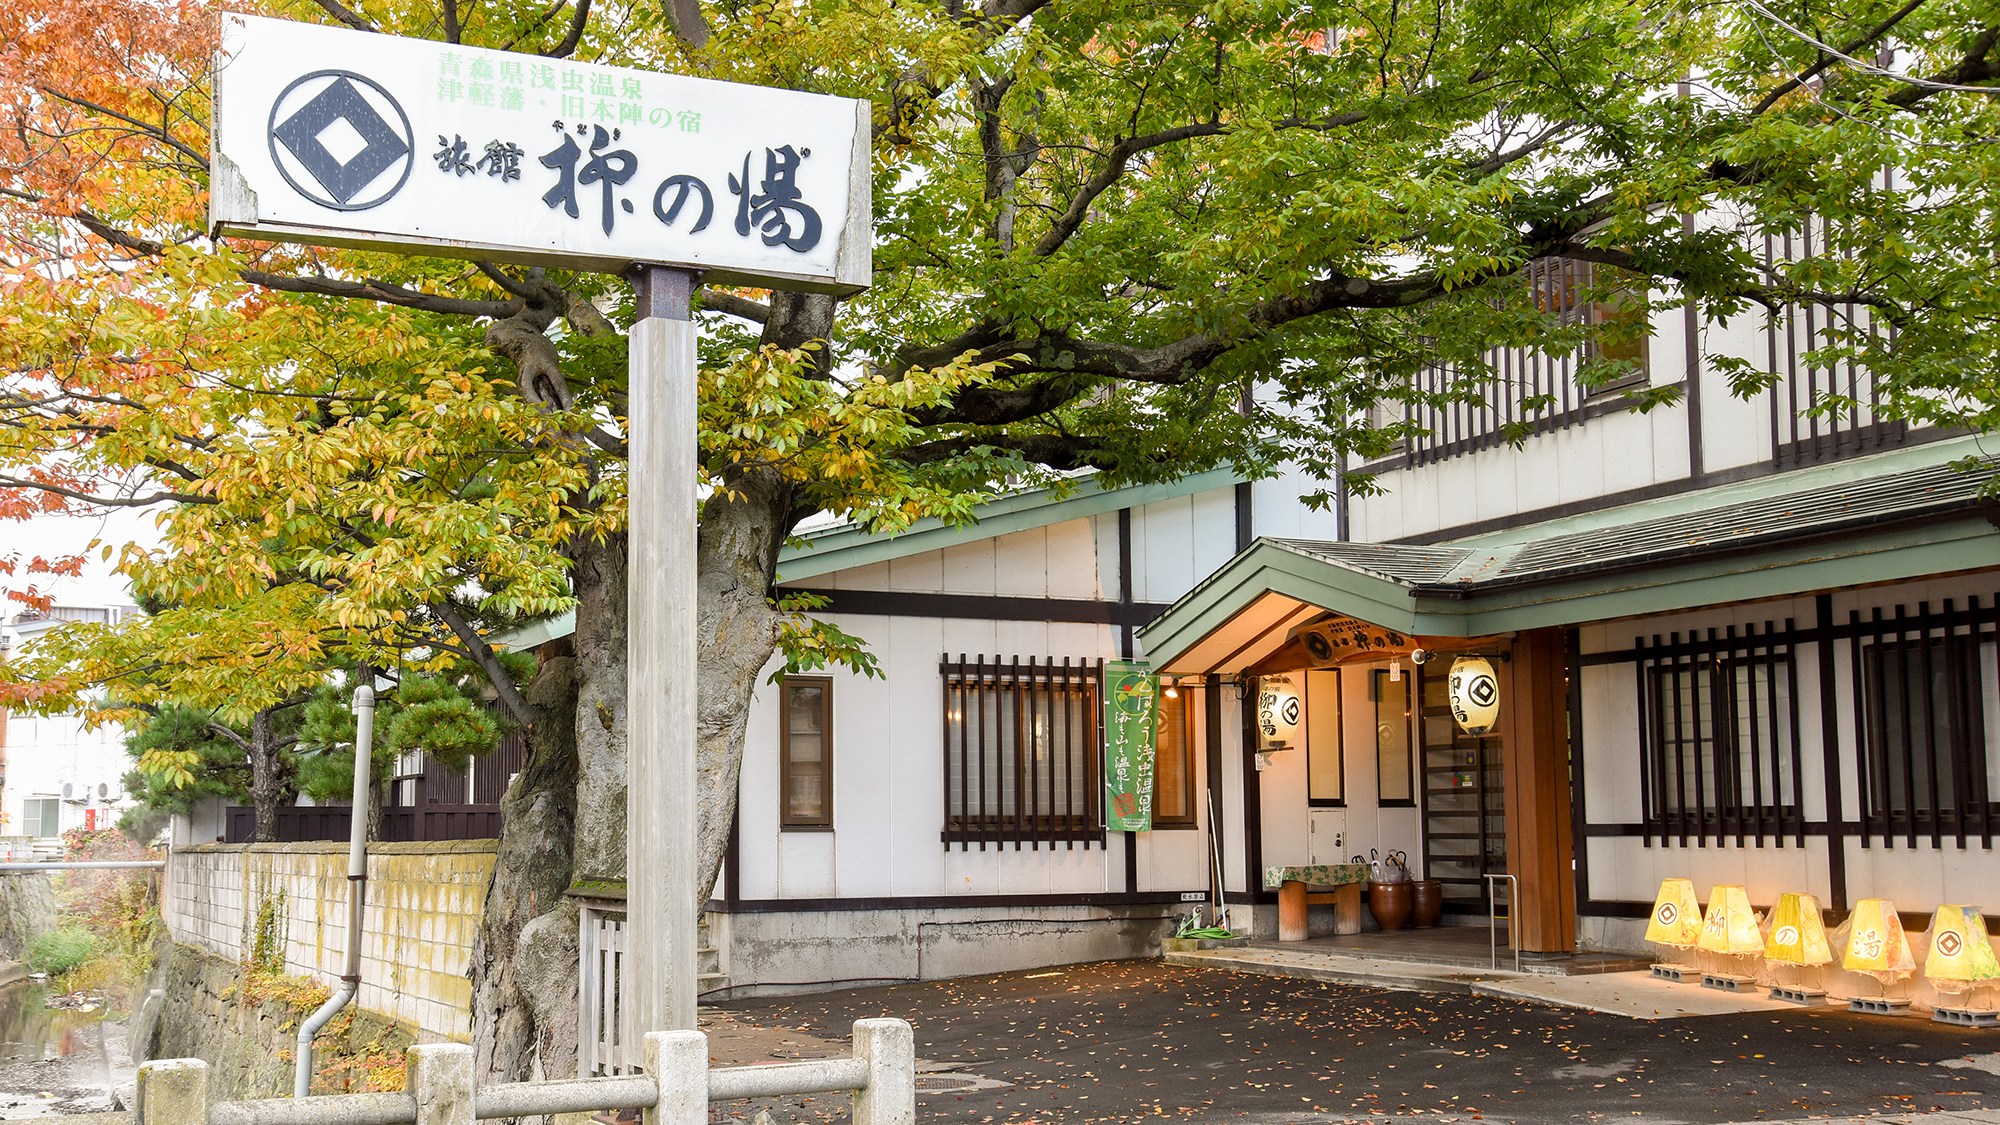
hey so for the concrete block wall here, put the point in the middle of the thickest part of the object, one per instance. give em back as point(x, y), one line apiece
point(782, 953)
point(423, 908)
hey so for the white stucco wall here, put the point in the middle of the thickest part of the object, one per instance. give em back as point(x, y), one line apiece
point(888, 767)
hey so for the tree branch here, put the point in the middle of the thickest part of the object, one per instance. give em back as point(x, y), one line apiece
point(754, 311)
point(1826, 60)
point(107, 501)
point(577, 20)
point(157, 132)
point(500, 277)
point(385, 292)
point(482, 653)
point(1978, 65)
point(1057, 451)
point(1114, 168)
point(222, 731)
point(340, 12)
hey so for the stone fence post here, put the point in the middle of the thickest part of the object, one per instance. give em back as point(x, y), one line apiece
point(677, 1062)
point(172, 1092)
point(889, 1047)
point(440, 1079)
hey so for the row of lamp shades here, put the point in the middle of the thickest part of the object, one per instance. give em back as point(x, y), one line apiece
point(1876, 944)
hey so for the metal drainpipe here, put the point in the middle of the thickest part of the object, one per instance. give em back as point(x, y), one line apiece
point(357, 889)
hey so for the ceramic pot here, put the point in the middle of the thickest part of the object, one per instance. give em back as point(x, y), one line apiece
point(1391, 903)
point(1428, 904)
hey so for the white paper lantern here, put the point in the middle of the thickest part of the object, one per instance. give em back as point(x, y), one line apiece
point(1277, 712)
point(1475, 694)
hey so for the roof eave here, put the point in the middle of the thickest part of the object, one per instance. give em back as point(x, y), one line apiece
point(849, 547)
point(1266, 567)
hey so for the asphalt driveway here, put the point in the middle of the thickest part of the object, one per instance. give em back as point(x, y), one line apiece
point(1132, 1040)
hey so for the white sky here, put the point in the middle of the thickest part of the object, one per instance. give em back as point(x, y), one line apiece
point(53, 536)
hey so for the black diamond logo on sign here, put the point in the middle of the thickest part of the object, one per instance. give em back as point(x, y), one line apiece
point(339, 111)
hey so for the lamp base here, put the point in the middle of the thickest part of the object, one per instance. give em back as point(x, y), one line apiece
point(1798, 994)
point(1728, 982)
point(1878, 1006)
point(1679, 974)
point(1966, 1017)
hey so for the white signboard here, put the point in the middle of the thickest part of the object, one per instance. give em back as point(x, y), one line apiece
point(347, 138)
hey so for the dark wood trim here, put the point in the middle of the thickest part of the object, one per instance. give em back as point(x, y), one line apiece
point(786, 821)
point(1635, 829)
point(1125, 651)
point(1578, 814)
point(1610, 908)
point(1253, 791)
point(1691, 395)
point(1653, 491)
point(943, 902)
point(732, 856)
point(1125, 648)
point(1211, 707)
point(1829, 725)
point(1185, 700)
point(984, 607)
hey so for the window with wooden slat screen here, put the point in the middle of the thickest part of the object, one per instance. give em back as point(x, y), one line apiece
point(1022, 750)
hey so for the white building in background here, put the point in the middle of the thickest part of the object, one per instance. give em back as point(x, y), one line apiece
point(57, 772)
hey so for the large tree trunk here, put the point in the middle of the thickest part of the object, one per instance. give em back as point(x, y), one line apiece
point(524, 969)
point(563, 821)
point(538, 817)
point(736, 630)
point(268, 791)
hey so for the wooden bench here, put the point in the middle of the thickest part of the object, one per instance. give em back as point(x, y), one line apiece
point(1296, 896)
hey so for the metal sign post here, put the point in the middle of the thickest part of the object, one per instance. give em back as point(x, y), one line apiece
point(660, 809)
point(339, 138)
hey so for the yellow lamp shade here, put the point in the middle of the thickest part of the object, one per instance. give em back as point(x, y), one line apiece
point(1730, 925)
point(1876, 944)
point(1798, 932)
point(1959, 949)
point(1676, 917)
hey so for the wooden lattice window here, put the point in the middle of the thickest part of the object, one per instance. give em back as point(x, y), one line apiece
point(1022, 751)
point(1921, 711)
point(1720, 735)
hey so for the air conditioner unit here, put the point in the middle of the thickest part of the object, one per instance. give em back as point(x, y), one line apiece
point(70, 793)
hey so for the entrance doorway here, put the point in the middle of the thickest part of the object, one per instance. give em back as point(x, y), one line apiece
point(1464, 794)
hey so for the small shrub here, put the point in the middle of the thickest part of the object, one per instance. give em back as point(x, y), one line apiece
point(60, 951)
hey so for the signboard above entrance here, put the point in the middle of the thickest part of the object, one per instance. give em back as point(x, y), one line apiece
point(346, 138)
point(1337, 639)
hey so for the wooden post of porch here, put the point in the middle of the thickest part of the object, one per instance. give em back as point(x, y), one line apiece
point(1534, 725)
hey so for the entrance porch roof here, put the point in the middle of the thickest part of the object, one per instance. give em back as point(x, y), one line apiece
point(1918, 523)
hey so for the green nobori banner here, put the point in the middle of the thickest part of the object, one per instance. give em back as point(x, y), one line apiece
point(1131, 713)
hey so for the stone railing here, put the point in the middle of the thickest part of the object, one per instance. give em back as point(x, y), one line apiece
point(674, 1090)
